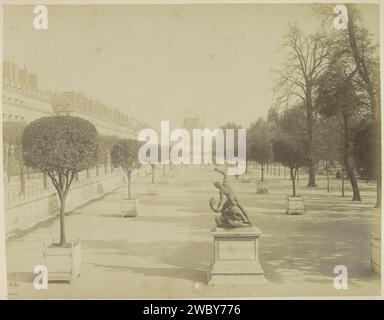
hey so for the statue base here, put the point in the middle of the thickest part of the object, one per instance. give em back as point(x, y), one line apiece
point(236, 256)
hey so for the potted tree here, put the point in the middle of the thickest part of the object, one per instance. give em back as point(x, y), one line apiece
point(163, 178)
point(152, 187)
point(124, 154)
point(260, 149)
point(61, 146)
point(291, 152)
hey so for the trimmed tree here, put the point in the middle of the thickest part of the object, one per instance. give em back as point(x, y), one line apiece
point(259, 144)
point(291, 153)
point(364, 151)
point(60, 146)
point(124, 154)
point(105, 147)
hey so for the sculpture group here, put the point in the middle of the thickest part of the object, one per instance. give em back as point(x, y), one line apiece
point(232, 213)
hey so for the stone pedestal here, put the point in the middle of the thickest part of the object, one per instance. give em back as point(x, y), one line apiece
point(236, 256)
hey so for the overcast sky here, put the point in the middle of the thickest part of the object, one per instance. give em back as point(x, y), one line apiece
point(163, 62)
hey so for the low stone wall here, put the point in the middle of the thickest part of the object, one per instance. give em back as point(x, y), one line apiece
point(27, 214)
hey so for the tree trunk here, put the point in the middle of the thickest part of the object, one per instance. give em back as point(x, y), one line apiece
point(9, 173)
point(262, 172)
point(62, 220)
point(129, 185)
point(22, 178)
point(298, 176)
point(378, 191)
point(311, 157)
point(279, 169)
point(348, 162)
point(45, 182)
point(87, 173)
point(327, 172)
point(285, 172)
point(364, 72)
point(293, 178)
point(153, 173)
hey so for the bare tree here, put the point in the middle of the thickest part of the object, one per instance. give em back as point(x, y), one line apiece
point(305, 62)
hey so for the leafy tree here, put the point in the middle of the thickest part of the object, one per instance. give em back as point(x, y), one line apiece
point(356, 44)
point(235, 127)
point(330, 151)
point(105, 147)
point(259, 144)
point(290, 147)
point(364, 151)
point(338, 96)
point(60, 146)
point(291, 152)
point(12, 131)
point(124, 153)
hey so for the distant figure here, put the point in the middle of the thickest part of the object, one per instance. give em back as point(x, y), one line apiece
point(232, 214)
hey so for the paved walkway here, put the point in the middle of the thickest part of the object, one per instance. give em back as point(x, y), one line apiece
point(166, 251)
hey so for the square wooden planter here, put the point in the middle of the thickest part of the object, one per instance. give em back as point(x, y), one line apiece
point(295, 205)
point(375, 243)
point(129, 207)
point(262, 188)
point(63, 263)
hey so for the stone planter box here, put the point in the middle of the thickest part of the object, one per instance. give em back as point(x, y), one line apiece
point(63, 263)
point(295, 205)
point(163, 180)
point(375, 243)
point(236, 257)
point(129, 207)
point(262, 188)
point(246, 178)
point(152, 189)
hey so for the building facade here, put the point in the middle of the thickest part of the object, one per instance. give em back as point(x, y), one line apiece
point(24, 101)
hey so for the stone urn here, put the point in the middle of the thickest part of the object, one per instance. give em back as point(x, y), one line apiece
point(295, 205)
point(63, 263)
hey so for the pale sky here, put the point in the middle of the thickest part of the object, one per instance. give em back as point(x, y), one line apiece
point(163, 62)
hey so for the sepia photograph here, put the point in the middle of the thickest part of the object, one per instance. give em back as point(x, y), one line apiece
point(191, 150)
